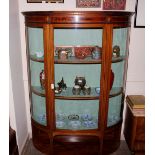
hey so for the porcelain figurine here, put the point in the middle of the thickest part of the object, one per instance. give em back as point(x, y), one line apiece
point(42, 79)
point(62, 85)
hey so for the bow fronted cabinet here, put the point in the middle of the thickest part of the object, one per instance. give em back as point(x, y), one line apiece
point(77, 74)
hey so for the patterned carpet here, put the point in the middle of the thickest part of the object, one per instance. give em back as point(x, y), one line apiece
point(31, 150)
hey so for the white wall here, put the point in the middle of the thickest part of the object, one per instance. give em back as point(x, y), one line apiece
point(135, 77)
point(17, 109)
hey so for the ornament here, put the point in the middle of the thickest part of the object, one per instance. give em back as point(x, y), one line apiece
point(42, 79)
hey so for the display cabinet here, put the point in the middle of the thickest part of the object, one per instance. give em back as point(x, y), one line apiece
point(77, 73)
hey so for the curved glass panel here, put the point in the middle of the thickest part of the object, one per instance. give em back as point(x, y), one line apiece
point(119, 55)
point(37, 75)
point(115, 104)
point(39, 109)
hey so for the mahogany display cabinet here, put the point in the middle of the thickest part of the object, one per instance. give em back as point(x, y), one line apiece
point(77, 74)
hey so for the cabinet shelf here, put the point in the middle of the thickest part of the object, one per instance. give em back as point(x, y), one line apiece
point(38, 91)
point(74, 60)
point(35, 58)
point(115, 91)
point(87, 60)
point(68, 95)
point(118, 59)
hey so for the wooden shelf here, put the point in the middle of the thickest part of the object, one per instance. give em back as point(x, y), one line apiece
point(115, 91)
point(77, 132)
point(87, 60)
point(74, 60)
point(68, 95)
point(35, 58)
point(38, 91)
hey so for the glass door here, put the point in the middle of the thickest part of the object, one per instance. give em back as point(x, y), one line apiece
point(118, 74)
point(77, 69)
point(37, 74)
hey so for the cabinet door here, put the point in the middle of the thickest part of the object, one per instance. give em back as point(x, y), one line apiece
point(77, 77)
point(118, 67)
point(37, 74)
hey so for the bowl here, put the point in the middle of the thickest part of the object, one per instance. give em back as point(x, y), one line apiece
point(89, 124)
point(75, 124)
point(97, 89)
point(39, 54)
point(60, 124)
point(86, 117)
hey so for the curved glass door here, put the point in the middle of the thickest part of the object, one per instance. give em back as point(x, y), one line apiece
point(118, 67)
point(37, 74)
point(77, 77)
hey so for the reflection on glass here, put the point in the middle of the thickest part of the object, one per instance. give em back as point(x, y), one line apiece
point(39, 109)
point(35, 38)
point(114, 111)
point(36, 52)
point(119, 53)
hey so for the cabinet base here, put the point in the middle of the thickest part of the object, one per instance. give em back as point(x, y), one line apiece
point(83, 145)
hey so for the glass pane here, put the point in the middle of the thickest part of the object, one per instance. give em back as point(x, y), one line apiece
point(35, 38)
point(77, 114)
point(37, 75)
point(39, 109)
point(69, 73)
point(75, 37)
point(114, 111)
point(81, 78)
point(120, 39)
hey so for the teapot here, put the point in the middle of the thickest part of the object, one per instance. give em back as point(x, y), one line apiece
point(81, 81)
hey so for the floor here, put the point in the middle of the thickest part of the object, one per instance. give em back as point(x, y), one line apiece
point(31, 150)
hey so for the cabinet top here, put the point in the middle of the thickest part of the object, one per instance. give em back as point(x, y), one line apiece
point(88, 17)
point(45, 13)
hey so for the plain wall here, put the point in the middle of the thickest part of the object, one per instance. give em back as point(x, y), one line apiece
point(18, 118)
point(136, 73)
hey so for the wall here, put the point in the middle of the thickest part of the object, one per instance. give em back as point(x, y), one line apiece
point(135, 77)
point(18, 118)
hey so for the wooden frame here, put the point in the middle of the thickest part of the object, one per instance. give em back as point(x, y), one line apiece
point(88, 3)
point(47, 1)
point(114, 4)
point(138, 10)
